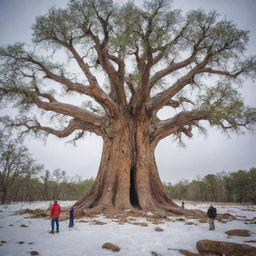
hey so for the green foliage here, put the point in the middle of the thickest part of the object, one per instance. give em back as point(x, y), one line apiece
point(225, 108)
point(237, 187)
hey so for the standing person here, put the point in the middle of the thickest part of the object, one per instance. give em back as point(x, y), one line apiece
point(71, 217)
point(182, 205)
point(55, 214)
point(211, 213)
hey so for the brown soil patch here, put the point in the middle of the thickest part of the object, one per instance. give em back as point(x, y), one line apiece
point(34, 253)
point(225, 216)
point(250, 222)
point(111, 246)
point(158, 229)
point(132, 219)
point(161, 214)
point(83, 221)
point(37, 213)
point(142, 224)
point(155, 254)
point(250, 241)
point(238, 232)
point(122, 220)
point(188, 253)
point(180, 219)
point(97, 222)
point(203, 221)
point(190, 223)
point(157, 222)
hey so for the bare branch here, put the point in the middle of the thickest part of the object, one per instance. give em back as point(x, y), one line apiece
point(55, 106)
point(121, 65)
point(130, 84)
point(179, 102)
point(221, 72)
point(93, 90)
point(35, 126)
point(171, 68)
point(178, 123)
point(84, 66)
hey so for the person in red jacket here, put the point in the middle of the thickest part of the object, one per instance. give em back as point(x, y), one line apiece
point(55, 214)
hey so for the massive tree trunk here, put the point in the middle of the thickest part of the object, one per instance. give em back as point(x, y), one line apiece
point(128, 176)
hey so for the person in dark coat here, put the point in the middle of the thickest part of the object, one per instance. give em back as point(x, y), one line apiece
point(182, 205)
point(71, 217)
point(211, 213)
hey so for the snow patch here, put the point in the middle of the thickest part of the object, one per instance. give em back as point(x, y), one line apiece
point(87, 238)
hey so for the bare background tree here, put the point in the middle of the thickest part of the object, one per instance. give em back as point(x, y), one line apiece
point(15, 164)
point(152, 57)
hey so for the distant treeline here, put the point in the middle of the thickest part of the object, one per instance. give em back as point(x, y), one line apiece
point(49, 186)
point(23, 179)
point(238, 187)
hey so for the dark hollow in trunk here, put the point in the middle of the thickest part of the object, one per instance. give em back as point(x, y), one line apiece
point(133, 194)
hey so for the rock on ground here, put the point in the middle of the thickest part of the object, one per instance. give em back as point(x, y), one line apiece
point(238, 232)
point(111, 246)
point(226, 248)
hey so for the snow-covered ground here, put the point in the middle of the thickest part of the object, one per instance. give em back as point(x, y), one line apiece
point(86, 239)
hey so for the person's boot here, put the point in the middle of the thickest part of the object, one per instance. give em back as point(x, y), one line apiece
point(51, 232)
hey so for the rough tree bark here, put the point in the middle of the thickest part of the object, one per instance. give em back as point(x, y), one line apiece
point(128, 177)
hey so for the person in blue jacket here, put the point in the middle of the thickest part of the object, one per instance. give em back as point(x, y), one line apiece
point(71, 217)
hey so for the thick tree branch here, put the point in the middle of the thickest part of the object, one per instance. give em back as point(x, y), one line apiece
point(178, 123)
point(121, 66)
point(171, 68)
point(130, 84)
point(162, 98)
point(84, 66)
point(55, 106)
point(70, 110)
point(221, 72)
point(74, 124)
point(179, 102)
point(92, 90)
point(117, 84)
point(139, 60)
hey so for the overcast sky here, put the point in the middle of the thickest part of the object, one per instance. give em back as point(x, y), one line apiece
point(202, 155)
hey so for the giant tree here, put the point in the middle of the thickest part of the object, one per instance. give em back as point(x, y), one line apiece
point(151, 57)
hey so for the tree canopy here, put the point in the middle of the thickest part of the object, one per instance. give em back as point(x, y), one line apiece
point(150, 55)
